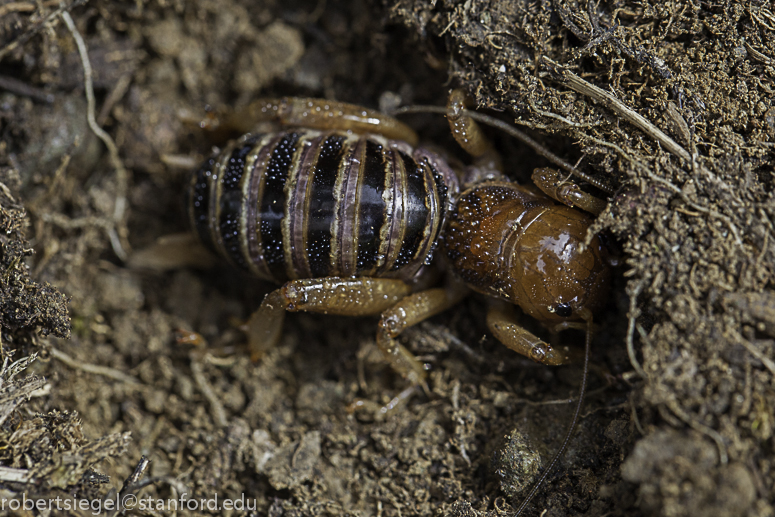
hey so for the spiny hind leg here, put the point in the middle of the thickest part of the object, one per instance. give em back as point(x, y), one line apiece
point(329, 295)
point(554, 185)
point(315, 114)
point(502, 322)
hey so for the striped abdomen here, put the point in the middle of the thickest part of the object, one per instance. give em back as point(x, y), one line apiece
point(303, 204)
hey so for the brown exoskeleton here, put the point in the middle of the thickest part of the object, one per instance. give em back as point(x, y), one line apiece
point(345, 212)
point(335, 202)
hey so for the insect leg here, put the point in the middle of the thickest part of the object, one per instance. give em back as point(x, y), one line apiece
point(320, 114)
point(468, 133)
point(407, 312)
point(329, 295)
point(501, 320)
point(565, 191)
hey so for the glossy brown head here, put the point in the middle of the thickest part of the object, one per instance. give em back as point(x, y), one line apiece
point(555, 274)
point(509, 242)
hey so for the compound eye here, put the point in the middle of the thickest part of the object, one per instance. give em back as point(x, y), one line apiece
point(563, 310)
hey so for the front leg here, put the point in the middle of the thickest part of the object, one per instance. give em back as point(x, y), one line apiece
point(502, 322)
point(565, 191)
point(330, 295)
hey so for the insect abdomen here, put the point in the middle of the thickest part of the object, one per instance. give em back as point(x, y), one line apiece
point(305, 204)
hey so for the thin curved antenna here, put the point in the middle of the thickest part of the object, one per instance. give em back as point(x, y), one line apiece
point(516, 133)
point(582, 392)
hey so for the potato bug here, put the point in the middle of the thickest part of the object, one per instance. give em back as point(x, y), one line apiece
point(334, 201)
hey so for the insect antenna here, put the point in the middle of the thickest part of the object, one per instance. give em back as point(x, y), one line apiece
point(587, 315)
point(516, 133)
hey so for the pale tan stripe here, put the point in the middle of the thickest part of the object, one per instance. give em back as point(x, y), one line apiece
point(389, 198)
point(432, 203)
point(302, 148)
point(348, 216)
point(299, 204)
point(334, 259)
point(215, 199)
point(251, 186)
point(398, 226)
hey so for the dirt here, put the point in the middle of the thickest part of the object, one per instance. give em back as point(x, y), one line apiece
point(670, 104)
